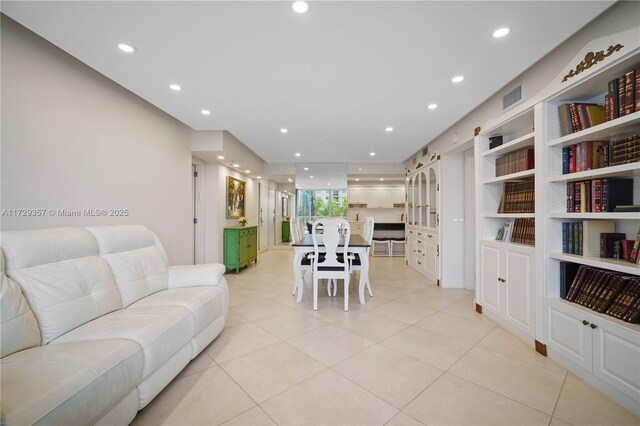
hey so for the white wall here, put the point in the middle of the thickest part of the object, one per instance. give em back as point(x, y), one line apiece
point(620, 17)
point(73, 139)
point(215, 178)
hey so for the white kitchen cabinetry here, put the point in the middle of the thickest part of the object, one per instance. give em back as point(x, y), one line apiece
point(376, 197)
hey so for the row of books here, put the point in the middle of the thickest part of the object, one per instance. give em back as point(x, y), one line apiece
point(514, 162)
point(617, 295)
point(518, 197)
point(597, 154)
point(624, 151)
point(597, 238)
point(623, 95)
point(599, 195)
point(575, 117)
point(520, 231)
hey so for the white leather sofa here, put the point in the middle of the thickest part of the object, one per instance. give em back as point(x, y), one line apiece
point(95, 323)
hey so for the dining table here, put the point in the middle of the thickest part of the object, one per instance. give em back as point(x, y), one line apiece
point(357, 245)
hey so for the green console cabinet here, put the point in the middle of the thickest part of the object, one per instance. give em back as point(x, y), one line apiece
point(240, 247)
point(286, 232)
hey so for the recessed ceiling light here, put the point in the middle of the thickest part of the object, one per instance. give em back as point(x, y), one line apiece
point(457, 79)
point(220, 157)
point(297, 154)
point(300, 6)
point(389, 129)
point(310, 177)
point(372, 154)
point(357, 179)
point(500, 32)
point(175, 87)
point(247, 171)
point(258, 177)
point(432, 106)
point(205, 112)
point(126, 48)
point(329, 184)
point(381, 178)
point(359, 169)
point(306, 168)
point(290, 180)
point(236, 165)
point(283, 130)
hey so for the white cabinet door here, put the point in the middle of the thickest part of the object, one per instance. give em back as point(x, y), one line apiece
point(398, 195)
point(431, 260)
point(372, 198)
point(491, 287)
point(351, 195)
point(569, 333)
point(616, 356)
point(520, 292)
point(386, 198)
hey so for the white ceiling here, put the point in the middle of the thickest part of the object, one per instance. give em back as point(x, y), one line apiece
point(334, 77)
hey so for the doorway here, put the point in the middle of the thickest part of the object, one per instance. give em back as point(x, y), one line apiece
point(263, 221)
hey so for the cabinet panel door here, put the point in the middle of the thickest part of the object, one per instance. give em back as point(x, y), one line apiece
point(616, 357)
point(398, 195)
point(520, 294)
point(372, 198)
point(386, 198)
point(431, 259)
point(491, 287)
point(568, 334)
point(244, 246)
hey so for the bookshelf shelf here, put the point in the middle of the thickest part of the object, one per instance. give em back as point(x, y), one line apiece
point(601, 215)
point(609, 130)
point(514, 145)
point(498, 243)
point(512, 176)
point(616, 265)
point(628, 170)
point(510, 215)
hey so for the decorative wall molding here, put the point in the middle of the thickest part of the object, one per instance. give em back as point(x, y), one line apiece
point(590, 59)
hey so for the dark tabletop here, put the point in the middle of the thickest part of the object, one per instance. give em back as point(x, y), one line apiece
point(354, 241)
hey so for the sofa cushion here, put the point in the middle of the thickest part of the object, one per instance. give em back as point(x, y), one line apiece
point(68, 384)
point(160, 330)
point(19, 329)
point(136, 258)
point(206, 304)
point(62, 277)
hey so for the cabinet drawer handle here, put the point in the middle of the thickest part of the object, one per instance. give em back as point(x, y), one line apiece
point(593, 326)
point(419, 233)
point(419, 242)
point(430, 236)
point(585, 322)
point(419, 263)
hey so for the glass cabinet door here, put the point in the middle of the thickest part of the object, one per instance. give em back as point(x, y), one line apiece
point(416, 199)
point(410, 200)
point(424, 200)
point(434, 186)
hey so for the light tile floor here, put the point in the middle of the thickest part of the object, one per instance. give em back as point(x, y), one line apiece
point(413, 354)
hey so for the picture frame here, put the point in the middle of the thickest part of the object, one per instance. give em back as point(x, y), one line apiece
point(285, 207)
point(235, 198)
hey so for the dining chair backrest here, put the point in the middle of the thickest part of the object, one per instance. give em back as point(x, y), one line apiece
point(368, 233)
point(295, 233)
point(331, 236)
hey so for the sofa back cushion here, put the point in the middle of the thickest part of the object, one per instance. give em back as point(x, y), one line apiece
point(136, 257)
point(19, 329)
point(62, 277)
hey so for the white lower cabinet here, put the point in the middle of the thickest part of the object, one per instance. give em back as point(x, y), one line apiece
point(609, 351)
point(423, 251)
point(507, 292)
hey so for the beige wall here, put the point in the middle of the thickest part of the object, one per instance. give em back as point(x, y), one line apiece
point(620, 17)
point(73, 139)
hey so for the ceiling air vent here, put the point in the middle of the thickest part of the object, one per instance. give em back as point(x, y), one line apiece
point(512, 97)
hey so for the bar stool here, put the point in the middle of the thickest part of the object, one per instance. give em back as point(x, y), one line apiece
point(380, 247)
point(397, 247)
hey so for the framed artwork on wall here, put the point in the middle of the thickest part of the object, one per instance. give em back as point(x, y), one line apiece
point(285, 207)
point(235, 198)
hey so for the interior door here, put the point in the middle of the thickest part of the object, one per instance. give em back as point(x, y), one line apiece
point(263, 223)
point(271, 217)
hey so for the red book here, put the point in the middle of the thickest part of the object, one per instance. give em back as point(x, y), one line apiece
point(572, 158)
point(621, 95)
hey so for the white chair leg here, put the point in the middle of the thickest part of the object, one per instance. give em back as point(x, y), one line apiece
point(295, 287)
point(315, 293)
point(335, 286)
point(329, 282)
point(346, 293)
point(369, 288)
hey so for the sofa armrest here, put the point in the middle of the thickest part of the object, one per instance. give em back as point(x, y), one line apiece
point(195, 275)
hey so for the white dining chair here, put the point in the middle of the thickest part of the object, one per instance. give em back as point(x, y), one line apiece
point(326, 262)
point(356, 263)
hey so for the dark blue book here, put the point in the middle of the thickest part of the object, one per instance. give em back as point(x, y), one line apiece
point(565, 237)
point(580, 239)
point(565, 160)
